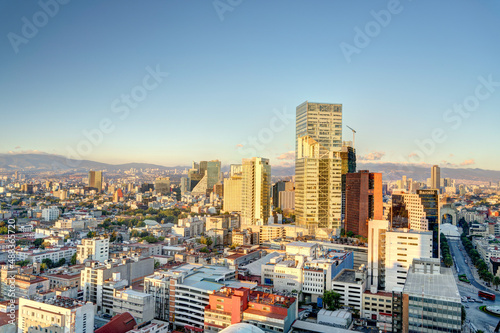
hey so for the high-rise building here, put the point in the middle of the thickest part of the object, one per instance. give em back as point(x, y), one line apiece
point(278, 187)
point(232, 193)
point(59, 314)
point(318, 166)
point(364, 201)
point(436, 177)
point(348, 155)
point(205, 177)
point(322, 122)
point(255, 196)
point(318, 182)
point(431, 300)
point(391, 251)
point(95, 180)
point(162, 185)
point(318, 192)
point(430, 202)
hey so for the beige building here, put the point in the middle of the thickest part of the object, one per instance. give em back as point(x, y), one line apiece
point(255, 192)
point(232, 193)
point(57, 315)
point(140, 305)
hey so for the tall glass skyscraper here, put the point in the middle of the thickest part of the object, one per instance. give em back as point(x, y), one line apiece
point(318, 166)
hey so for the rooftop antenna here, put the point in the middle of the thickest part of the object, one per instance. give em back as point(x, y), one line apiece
point(353, 136)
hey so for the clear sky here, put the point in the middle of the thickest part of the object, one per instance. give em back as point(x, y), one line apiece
point(234, 65)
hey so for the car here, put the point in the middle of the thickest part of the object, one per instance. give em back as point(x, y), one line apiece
point(107, 316)
point(466, 306)
point(479, 300)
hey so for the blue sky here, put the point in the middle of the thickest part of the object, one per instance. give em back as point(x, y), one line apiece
point(228, 78)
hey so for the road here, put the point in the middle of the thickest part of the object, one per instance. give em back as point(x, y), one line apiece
point(479, 319)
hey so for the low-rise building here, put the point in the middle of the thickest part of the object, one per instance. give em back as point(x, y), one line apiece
point(351, 284)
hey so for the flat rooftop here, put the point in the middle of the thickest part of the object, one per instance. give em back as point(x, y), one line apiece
point(433, 285)
point(301, 244)
point(347, 276)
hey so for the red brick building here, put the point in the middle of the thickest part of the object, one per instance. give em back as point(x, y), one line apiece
point(364, 201)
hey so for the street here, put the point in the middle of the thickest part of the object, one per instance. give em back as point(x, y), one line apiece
point(479, 319)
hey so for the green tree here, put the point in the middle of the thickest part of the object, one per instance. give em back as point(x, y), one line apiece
point(464, 314)
point(157, 264)
point(496, 281)
point(205, 250)
point(61, 262)
point(331, 299)
point(73, 259)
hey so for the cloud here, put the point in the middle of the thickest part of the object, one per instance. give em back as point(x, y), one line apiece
point(30, 151)
point(373, 156)
point(17, 147)
point(468, 162)
point(239, 146)
point(290, 155)
point(412, 155)
point(451, 155)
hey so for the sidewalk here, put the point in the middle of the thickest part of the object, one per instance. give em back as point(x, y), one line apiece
point(474, 271)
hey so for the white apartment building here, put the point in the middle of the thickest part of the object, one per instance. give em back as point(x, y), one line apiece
point(391, 252)
point(58, 315)
point(139, 305)
point(351, 284)
point(93, 249)
point(54, 254)
point(50, 213)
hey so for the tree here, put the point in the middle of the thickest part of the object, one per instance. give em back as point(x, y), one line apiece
point(496, 281)
point(91, 234)
point(61, 262)
point(43, 267)
point(331, 299)
point(464, 314)
point(157, 264)
point(204, 250)
point(38, 242)
point(48, 262)
point(73, 259)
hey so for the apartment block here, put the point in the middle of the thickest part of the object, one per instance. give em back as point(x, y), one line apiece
point(96, 249)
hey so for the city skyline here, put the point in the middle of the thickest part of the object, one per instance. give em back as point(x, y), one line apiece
point(221, 88)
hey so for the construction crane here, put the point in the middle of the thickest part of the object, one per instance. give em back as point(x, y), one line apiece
point(353, 136)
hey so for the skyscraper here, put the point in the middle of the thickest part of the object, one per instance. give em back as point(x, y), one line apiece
point(95, 180)
point(318, 165)
point(364, 201)
point(318, 188)
point(348, 155)
point(205, 177)
point(255, 188)
point(436, 177)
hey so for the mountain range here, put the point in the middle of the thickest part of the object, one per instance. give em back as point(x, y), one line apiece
point(391, 171)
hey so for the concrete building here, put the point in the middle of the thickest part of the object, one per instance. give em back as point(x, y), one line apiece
point(232, 194)
point(377, 305)
point(351, 284)
point(364, 201)
point(139, 305)
point(59, 315)
point(230, 306)
point(348, 156)
point(50, 213)
point(255, 196)
point(55, 254)
point(436, 177)
point(431, 300)
point(96, 249)
point(162, 186)
point(95, 275)
point(318, 165)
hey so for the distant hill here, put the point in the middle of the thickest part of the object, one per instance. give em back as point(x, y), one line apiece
point(47, 162)
point(390, 171)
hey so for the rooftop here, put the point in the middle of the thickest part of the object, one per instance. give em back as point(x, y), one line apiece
point(432, 285)
point(347, 276)
point(302, 244)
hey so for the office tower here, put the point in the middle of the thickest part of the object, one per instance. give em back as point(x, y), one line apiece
point(162, 185)
point(59, 314)
point(364, 201)
point(281, 186)
point(431, 299)
point(318, 166)
point(348, 155)
point(318, 192)
point(436, 177)
point(95, 180)
point(232, 193)
point(430, 201)
point(184, 185)
point(255, 196)
point(208, 175)
point(404, 183)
